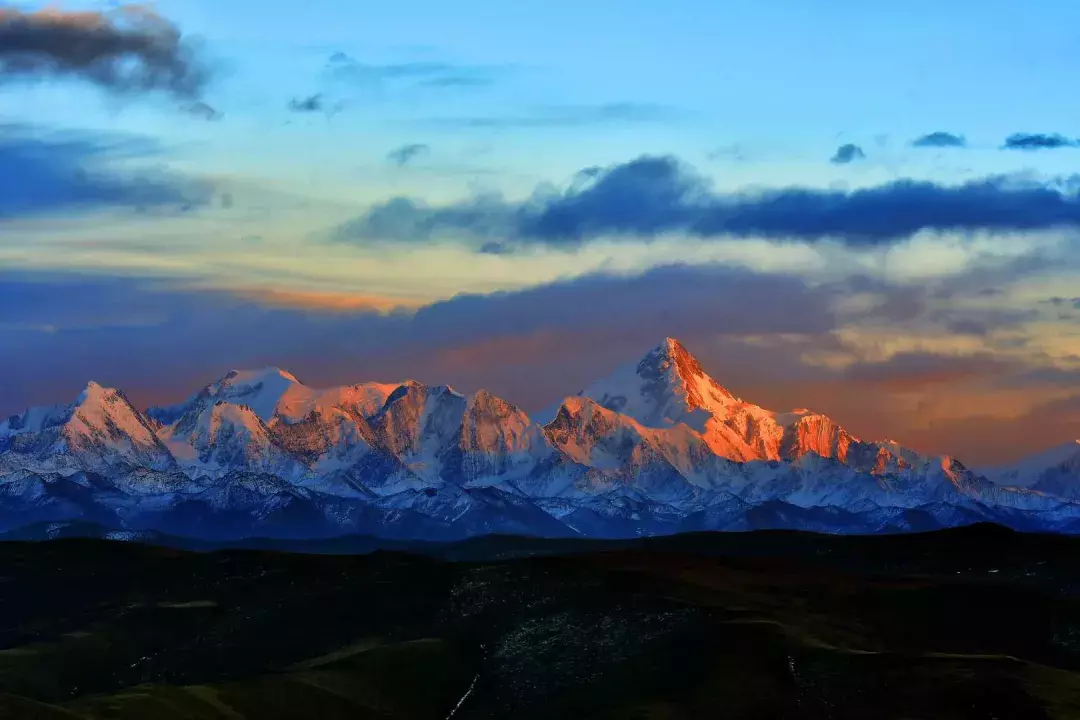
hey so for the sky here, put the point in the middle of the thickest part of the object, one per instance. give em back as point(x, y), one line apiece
point(867, 209)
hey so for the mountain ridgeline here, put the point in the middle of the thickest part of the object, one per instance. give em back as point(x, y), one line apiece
point(657, 447)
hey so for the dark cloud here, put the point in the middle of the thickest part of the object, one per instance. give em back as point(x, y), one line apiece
point(312, 103)
point(753, 332)
point(981, 322)
point(150, 337)
point(985, 273)
point(204, 111)
point(1065, 302)
point(124, 50)
point(667, 300)
point(940, 140)
point(51, 172)
point(495, 248)
point(401, 156)
point(654, 195)
point(1037, 141)
point(848, 153)
point(564, 117)
point(968, 326)
point(895, 303)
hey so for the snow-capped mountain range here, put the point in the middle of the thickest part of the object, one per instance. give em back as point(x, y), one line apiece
point(656, 447)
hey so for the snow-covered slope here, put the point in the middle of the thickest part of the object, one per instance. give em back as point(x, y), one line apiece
point(223, 437)
point(1055, 471)
point(668, 388)
point(99, 431)
point(657, 446)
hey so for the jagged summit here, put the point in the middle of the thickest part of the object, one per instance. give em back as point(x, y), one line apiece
point(95, 392)
point(666, 387)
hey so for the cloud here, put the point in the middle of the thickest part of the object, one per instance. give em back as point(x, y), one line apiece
point(982, 322)
point(564, 116)
point(1063, 302)
point(343, 67)
point(401, 156)
point(759, 334)
point(49, 172)
point(130, 49)
point(939, 140)
point(847, 154)
point(338, 302)
point(735, 152)
point(312, 103)
point(204, 111)
point(675, 299)
point(151, 337)
point(457, 81)
point(652, 195)
point(915, 371)
point(495, 248)
point(1037, 141)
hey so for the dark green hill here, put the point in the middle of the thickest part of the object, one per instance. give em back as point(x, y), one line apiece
point(972, 623)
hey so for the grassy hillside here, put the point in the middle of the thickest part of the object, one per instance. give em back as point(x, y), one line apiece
point(975, 623)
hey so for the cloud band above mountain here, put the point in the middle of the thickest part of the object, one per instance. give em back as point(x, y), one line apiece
point(651, 196)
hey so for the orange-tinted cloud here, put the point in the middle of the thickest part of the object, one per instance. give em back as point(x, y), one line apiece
point(922, 371)
point(336, 302)
point(761, 336)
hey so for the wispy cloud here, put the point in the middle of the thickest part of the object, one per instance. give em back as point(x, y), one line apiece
point(939, 140)
point(564, 116)
point(46, 171)
point(1038, 141)
point(846, 154)
point(652, 195)
point(1064, 302)
point(126, 50)
point(401, 156)
point(344, 67)
point(334, 302)
point(458, 81)
point(734, 151)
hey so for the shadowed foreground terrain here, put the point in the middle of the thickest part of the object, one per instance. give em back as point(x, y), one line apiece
point(973, 623)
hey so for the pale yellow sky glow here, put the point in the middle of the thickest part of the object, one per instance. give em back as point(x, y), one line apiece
point(288, 254)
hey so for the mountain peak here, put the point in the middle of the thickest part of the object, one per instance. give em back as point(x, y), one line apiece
point(666, 387)
point(669, 348)
point(94, 393)
point(261, 375)
point(671, 354)
point(673, 346)
point(671, 363)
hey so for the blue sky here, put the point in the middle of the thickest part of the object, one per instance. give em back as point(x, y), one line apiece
point(785, 80)
point(507, 103)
